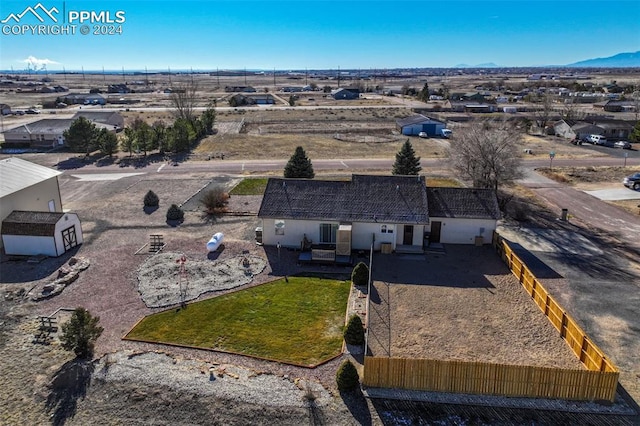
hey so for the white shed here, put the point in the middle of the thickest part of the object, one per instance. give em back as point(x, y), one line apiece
point(34, 233)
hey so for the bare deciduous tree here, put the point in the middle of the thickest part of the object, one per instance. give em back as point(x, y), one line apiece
point(543, 111)
point(570, 111)
point(183, 99)
point(488, 154)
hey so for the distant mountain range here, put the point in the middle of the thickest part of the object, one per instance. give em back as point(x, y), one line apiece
point(485, 65)
point(629, 59)
point(621, 60)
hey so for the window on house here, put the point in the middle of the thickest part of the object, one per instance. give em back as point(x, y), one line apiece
point(328, 233)
point(279, 224)
point(383, 229)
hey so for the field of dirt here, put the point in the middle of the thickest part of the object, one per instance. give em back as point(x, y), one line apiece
point(463, 305)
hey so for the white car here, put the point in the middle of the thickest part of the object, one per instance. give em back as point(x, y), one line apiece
point(423, 135)
point(622, 144)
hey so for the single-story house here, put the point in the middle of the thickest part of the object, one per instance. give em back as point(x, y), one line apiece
point(244, 89)
point(118, 88)
point(42, 134)
point(114, 119)
point(251, 99)
point(413, 125)
point(28, 186)
point(345, 93)
point(398, 212)
point(83, 98)
point(31, 233)
point(611, 129)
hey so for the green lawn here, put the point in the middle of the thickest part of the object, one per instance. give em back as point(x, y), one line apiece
point(298, 322)
point(250, 186)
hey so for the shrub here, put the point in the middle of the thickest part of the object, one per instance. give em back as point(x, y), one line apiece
point(214, 200)
point(354, 332)
point(151, 199)
point(175, 213)
point(360, 274)
point(347, 376)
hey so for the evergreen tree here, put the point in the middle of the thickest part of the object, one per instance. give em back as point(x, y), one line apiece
point(81, 135)
point(299, 166)
point(354, 332)
point(635, 134)
point(406, 161)
point(108, 142)
point(423, 95)
point(347, 376)
point(80, 333)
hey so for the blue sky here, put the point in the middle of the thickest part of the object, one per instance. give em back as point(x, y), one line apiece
point(205, 35)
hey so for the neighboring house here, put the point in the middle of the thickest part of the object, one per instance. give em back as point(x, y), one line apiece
point(113, 119)
point(118, 88)
point(31, 233)
point(42, 134)
point(245, 89)
point(29, 187)
point(5, 109)
point(399, 212)
point(611, 129)
point(345, 93)
point(252, 99)
point(615, 129)
point(413, 125)
point(83, 99)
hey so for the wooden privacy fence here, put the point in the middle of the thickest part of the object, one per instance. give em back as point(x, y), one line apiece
point(488, 379)
point(598, 382)
point(587, 351)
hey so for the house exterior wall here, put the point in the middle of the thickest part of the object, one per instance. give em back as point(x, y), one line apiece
point(418, 235)
point(25, 245)
point(564, 130)
point(361, 233)
point(464, 231)
point(36, 139)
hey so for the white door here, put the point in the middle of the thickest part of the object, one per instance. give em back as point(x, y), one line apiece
point(52, 205)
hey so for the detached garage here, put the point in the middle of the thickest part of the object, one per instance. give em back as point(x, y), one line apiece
point(412, 126)
point(35, 233)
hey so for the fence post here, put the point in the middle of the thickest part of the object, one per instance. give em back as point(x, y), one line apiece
point(563, 325)
point(583, 348)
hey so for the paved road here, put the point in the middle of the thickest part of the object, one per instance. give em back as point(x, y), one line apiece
point(239, 167)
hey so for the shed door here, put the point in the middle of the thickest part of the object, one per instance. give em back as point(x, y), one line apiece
point(408, 235)
point(69, 238)
point(434, 237)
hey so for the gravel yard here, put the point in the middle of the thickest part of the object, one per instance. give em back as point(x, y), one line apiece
point(463, 305)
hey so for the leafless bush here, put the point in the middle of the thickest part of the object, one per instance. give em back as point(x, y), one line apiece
point(215, 200)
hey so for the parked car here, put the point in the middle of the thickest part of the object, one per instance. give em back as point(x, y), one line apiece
point(597, 139)
point(33, 111)
point(622, 144)
point(632, 181)
point(423, 135)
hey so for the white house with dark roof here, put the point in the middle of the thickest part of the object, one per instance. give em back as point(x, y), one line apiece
point(398, 212)
point(389, 209)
